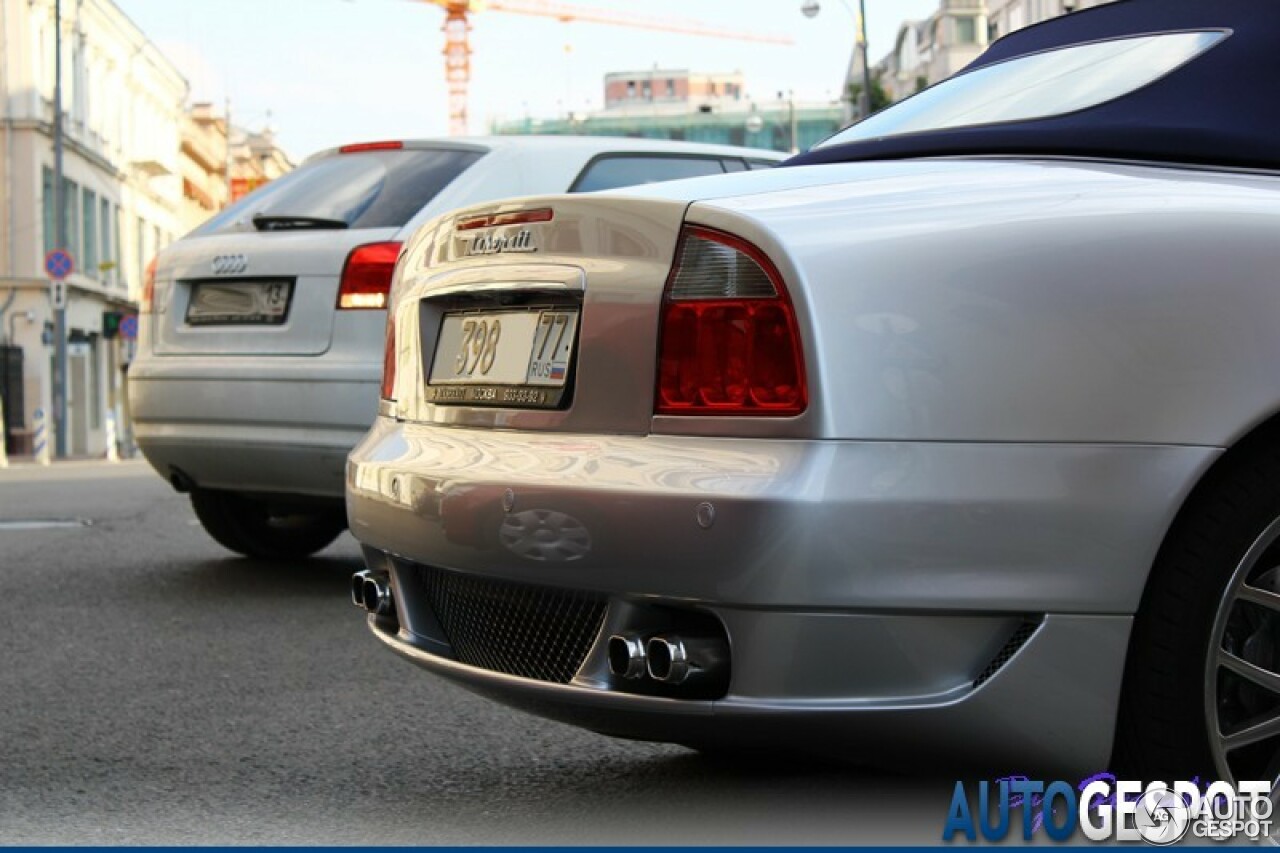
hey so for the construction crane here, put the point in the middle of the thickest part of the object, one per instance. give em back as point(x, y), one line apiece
point(457, 47)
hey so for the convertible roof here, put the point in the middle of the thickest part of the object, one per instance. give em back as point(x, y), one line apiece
point(1219, 109)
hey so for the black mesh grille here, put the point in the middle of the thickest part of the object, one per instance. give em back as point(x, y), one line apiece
point(1007, 651)
point(529, 631)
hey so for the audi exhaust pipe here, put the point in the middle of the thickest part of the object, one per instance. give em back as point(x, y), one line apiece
point(674, 659)
point(371, 592)
point(626, 656)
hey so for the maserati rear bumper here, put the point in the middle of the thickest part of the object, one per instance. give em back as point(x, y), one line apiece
point(891, 603)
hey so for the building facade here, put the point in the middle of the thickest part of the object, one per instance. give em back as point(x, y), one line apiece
point(1005, 16)
point(122, 189)
point(256, 159)
point(203, 161)
point(696, 107)
point(929, 50)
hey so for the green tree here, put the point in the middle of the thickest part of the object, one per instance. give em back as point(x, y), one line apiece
point(879, 98)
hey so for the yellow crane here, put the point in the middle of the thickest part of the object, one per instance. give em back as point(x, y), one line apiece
point(457, 47)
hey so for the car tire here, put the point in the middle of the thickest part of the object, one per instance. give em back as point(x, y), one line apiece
point(1182, 695)
point(260, 528)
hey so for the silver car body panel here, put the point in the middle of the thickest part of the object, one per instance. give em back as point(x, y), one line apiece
point(845, 525)
point(1018, 372)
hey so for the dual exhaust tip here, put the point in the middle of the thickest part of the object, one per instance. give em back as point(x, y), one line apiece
point(371, 592)
point(666, 658)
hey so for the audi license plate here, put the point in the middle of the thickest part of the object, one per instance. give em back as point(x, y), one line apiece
point(503, 358)
point(257, 303)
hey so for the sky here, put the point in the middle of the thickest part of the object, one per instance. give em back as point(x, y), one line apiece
point(327, 72)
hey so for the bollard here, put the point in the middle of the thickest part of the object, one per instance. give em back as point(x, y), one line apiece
point(4, 455)
point(113, 453)
point(41, 439)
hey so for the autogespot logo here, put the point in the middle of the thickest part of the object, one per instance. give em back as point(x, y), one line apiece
point(1103, 808)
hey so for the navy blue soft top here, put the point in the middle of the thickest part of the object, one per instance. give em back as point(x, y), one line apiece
point(1219, 109)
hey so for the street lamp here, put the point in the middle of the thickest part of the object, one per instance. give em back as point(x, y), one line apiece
point(811, 8)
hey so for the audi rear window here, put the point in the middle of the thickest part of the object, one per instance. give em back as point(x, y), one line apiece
point(366, 189)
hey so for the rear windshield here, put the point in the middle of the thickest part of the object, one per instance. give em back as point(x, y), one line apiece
point(1038, 85)
point(611, 171)
point(367, 189)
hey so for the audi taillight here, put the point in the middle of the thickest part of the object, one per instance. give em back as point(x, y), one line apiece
point(366, 276)
point(146, 303)
point(729, 342)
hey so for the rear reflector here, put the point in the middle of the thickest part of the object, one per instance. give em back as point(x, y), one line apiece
point(729, 343)
point(519, 217)
point(370, 146)
point(146, 304)
point(366, 276)
point(388, 391)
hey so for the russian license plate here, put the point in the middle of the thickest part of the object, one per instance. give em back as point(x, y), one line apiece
point(503, 358)
point(260, 303)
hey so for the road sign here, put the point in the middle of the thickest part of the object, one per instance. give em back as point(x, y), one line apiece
point(129, 327)
point(58, 293)
point(58, 264)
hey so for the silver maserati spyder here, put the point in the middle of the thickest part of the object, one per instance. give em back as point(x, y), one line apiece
point(953, 440)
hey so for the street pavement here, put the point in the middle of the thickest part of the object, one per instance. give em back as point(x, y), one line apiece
point(155, 689)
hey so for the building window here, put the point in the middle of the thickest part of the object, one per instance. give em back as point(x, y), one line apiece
point(647, 92)
point(71, 219)
point(117, 223)
point(46, 202)
point(95, 386)
point(105, 244)
point(966, 31)
point(89, 220)
point(141, 256)
point(631, 88)
point(671, 88)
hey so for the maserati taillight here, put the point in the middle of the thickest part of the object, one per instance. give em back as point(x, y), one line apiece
point(729, 342)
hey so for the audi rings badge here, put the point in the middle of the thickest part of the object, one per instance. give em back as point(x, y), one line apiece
point(229, 264)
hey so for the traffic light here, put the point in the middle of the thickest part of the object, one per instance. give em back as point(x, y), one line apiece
point(111, 324)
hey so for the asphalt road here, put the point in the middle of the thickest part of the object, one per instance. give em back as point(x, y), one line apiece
point(155, 689)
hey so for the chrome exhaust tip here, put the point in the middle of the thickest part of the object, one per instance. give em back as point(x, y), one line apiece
point(667, 660)
point(374, 591)
point(626, 656)
point(357, 588)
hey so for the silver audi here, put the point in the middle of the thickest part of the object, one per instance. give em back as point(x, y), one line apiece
point(954, 440)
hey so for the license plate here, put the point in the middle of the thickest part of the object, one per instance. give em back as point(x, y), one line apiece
point(260, 303)
point(503, 358)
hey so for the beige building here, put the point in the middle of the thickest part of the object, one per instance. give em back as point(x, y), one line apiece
point(638, 90)
point(122, 180)
point(253, 158)
point(256, 159)
point(1005, 16)
point(203, 162)
point(929, 50)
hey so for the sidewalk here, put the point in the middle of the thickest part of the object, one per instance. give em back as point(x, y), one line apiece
point(26, 469)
